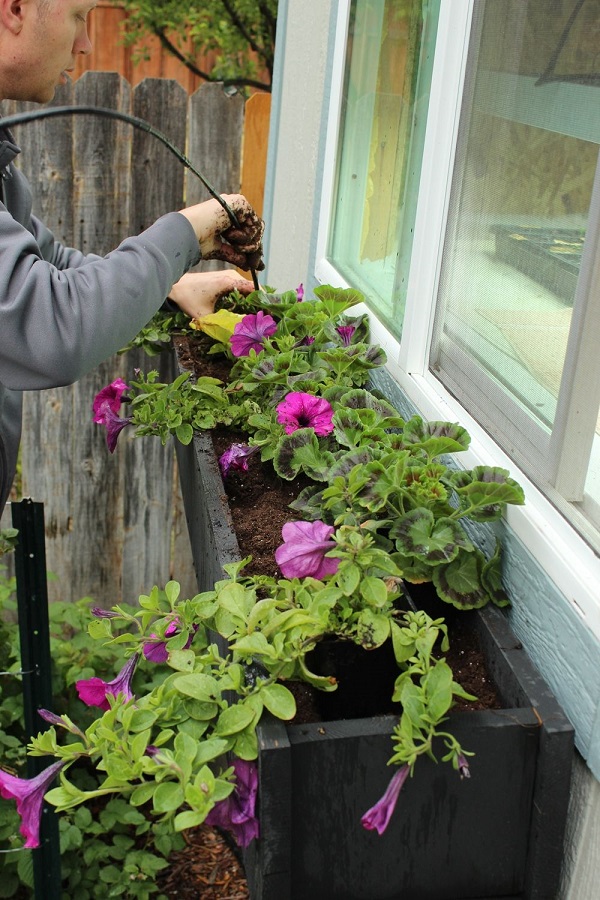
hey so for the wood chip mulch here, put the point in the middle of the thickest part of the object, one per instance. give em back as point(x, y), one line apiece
point(207, 868)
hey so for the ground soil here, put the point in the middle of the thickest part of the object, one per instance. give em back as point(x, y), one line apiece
point(209, 867)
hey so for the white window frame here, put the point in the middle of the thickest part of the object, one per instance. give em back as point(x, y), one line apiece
point(558, 548)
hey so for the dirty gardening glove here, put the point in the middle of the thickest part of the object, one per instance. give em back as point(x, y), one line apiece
point(240, 245)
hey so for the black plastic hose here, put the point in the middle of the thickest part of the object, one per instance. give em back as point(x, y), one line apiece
point(49, 112)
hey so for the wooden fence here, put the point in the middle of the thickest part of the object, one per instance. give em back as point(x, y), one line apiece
point(114, 524)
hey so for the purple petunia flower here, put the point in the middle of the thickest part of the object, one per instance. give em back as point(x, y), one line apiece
point(236, 457)
point(463, 766)
point(29, 794)
point(378, 817)
point(300, 410)
point(156, 650)
point(113, 423)
point(111, 394)
point(346, 332)
point(94, 691)
point(300, 293)
point(303, 553)
point(100, 613)
point(250, 333)
point(237, 812)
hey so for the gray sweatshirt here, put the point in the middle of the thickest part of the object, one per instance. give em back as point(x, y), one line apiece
point(62, 313)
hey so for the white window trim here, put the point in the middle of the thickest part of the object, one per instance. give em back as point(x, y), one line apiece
point(559, 550)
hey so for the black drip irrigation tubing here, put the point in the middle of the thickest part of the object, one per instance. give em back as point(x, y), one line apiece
point(31, 116)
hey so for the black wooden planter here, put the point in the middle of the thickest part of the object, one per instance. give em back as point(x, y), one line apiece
point(498, 834)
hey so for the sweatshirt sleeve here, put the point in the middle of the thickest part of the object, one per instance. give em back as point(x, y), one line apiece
point(61, 318)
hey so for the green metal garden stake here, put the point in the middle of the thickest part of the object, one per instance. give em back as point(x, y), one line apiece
point(34, 633)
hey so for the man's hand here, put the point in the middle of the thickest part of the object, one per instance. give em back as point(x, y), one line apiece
point(197, 292)
point(240, 245)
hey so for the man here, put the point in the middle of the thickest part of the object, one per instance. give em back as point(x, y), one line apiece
point(62, 312)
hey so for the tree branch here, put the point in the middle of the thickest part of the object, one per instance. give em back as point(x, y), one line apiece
point(227, 82)
point(260, 51)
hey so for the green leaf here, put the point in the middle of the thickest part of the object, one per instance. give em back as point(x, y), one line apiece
point(142, 794)
point(182, 660)
point(234, 719)
point(459, 583)
point(430, 540)
point(373, 628)
point(198, 686)
point(438, 688)
point(184, 433)
point(374, 591)
point(188, 819)
point(348, 578)
point(142, 719)
point(210, 749)
point(168, 797)
point(279, 701)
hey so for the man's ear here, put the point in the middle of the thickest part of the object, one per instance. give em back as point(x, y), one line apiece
point(12, 14)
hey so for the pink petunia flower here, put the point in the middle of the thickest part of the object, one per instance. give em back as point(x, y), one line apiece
point(95, 691)
point(113, 423)
point(237, 813)
point(236, 457)
point(111, 394)
point(29, 794)
point(300, 410)
point(156, 650)
point(303, 552)
point(377, 818)
point(249, 334)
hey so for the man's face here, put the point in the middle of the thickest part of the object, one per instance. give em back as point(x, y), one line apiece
point(53, 33)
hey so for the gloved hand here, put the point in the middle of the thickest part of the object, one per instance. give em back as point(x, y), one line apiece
point(239, 245)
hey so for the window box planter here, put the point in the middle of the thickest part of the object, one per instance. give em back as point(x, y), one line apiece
point(498, 834)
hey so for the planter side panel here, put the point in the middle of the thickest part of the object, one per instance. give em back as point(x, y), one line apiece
point(473, 831)
point(212, 537)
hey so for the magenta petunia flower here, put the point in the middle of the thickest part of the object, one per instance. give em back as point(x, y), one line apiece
point(94, 691)
point(156, 650)
point(111, 394)
point(300, 410)
point(250, 333)
point(29, 794)
point(300, 293)
point(236, 457)
point(113, 423)
point(237, 813)
point(377, 818)
point(346, 332)
point(303, 552)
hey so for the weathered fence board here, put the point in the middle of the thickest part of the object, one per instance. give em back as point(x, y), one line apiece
point(114, 525)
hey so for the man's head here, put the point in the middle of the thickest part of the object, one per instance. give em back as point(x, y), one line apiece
point(39, 42)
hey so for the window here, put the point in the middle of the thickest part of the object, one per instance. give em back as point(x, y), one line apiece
point(518, 303)
point(389, 55)
point(513, 87)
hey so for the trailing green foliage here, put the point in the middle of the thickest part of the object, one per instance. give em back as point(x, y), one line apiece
point(117, 850)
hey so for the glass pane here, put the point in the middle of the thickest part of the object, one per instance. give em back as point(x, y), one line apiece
point(387, 76)
point(526, 161)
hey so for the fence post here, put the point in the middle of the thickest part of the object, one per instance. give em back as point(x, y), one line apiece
point(34, 633)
